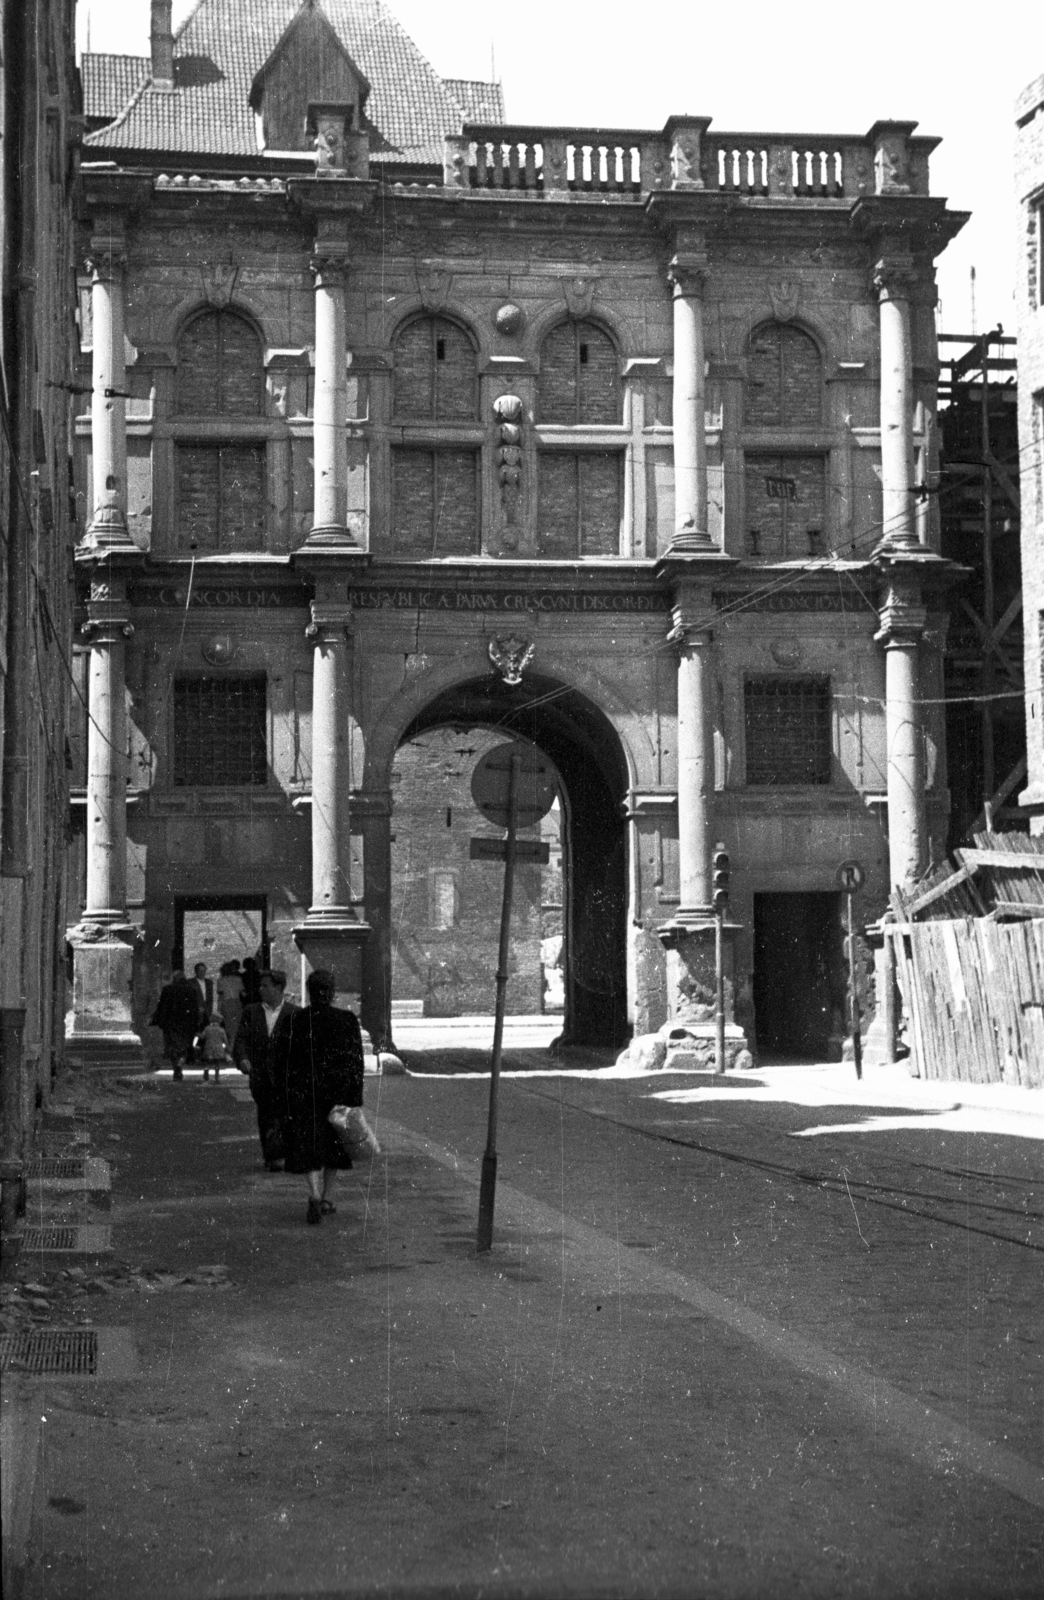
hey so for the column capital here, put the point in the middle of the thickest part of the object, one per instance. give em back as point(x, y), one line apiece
point(692, 614)
point(895, 276)
point(331, 267)
point(331, 622)
point(688, 273)
point(903, 617)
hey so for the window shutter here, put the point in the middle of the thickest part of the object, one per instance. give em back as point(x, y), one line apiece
point(785, 504)
point(220, 737)
point(455, 387)
point(579, 381)
point(220, 368)
point(414, 386)
point(242, 514)
point(434, 503)
point(788, 735)
point(784, 379)
point(556, 383)
point(196, 386)
point(599, 504)
point(198, 497)
point(557, 505)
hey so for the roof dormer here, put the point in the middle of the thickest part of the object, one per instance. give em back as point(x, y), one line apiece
point(308, 65)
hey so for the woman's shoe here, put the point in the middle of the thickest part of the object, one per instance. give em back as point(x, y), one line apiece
point(326, 1206)
point(314, 1212)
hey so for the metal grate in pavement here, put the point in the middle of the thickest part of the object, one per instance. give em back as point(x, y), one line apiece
point(54, 1167)
point(64, 1352)
point(88, 1240)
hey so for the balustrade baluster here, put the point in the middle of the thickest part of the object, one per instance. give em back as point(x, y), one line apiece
point(513, 165)
point(530, 168)
point(481, 165)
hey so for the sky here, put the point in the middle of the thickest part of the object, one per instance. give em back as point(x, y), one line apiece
point(810, 66)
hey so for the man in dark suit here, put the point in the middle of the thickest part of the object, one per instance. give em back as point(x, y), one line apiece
point(258, 1039)
point(179, 1013)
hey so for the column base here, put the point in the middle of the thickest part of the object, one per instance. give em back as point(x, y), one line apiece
point(690, 1031)
point(331, 536)
point(336, 945)
point(99, 1033)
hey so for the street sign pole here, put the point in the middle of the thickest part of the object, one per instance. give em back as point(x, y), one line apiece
point(487, 1190)
point(719, 989)
point(857, 1040)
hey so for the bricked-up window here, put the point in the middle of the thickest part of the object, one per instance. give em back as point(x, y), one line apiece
point(436, 377)
point(435, 502)
point(221, 497)
point(219, 731)
point(787, 724)
point(784, 379)
point(579, 380)
point(785, 506)
point(220, 370)
point(578, 503)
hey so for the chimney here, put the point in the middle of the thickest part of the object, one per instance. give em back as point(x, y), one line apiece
point(162, 45)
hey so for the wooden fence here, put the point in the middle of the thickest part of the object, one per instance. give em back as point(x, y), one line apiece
point(974, 995)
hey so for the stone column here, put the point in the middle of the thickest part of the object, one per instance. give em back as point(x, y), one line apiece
point(103, 942)
point(903, 619)
point(689, 937)
point(330, 410)
point(108, 525)
point(688, 275)
point(894, 279)
point(331, 935)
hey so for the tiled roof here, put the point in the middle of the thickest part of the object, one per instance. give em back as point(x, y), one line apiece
point(109, 82)
point(410, 106)
point(480, 102)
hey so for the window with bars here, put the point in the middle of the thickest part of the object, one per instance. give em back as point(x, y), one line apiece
point(786, 505)
point(788, 730)
point(220, 371)
point(579, 503)
point(220, 734)
point(579, 380)
point(784, 379)
point(436, 378)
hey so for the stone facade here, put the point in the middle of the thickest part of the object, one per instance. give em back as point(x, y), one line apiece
point(40, 111)
point(1029, 296)
point(604, 440)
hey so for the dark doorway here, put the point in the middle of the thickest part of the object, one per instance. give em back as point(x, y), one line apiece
point(799, 983)
point(586, 751)
point(214, 928)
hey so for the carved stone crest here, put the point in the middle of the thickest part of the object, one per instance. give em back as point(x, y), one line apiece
point(785, 297)
point(579, 295)
point(219, 283)
point(433, 285)
point(511, 657)
point(219, 649)
point(509, 320)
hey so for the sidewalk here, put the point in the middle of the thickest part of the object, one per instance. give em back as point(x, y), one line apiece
point(369, 1408)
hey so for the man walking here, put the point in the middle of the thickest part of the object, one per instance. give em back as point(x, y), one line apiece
point(258, 1039)
point(179, 1013)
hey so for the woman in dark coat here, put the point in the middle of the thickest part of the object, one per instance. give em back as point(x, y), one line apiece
point(319, 1067)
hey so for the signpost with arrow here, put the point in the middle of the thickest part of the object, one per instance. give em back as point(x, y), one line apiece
point(513, 786)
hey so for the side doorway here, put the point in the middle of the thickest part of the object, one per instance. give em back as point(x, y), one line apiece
point(215, 928)
point(799, 975)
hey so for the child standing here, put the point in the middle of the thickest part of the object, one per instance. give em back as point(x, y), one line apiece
point(213, 1046)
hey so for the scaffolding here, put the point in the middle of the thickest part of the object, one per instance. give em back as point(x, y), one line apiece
point(979, 517)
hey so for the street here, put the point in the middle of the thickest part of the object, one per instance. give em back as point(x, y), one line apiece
point(776, 1334)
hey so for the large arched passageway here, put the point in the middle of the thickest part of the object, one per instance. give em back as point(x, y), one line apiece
point(585, 748)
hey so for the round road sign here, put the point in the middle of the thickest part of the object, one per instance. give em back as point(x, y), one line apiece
point(534, 793)
point(850, 876)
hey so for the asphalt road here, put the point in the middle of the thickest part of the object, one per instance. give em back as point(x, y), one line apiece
point(710, 1354)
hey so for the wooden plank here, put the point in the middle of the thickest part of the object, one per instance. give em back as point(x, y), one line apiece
point(921, 901)
point(1028, 859)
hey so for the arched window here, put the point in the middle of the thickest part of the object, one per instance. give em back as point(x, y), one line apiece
point(220, 368)
point(579, 493)
point(220, 482)
point(784, 379)
point(435, 481)
point(579, 378)
point(435, 374)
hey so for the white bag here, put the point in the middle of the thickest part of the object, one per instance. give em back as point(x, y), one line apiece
point(354, 1131)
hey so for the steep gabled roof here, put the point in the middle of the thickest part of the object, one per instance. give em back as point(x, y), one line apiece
point(480, 102)
point(109, 82)
point(410, 106)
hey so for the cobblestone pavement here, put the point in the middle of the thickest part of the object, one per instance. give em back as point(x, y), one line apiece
point(772, 1335)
